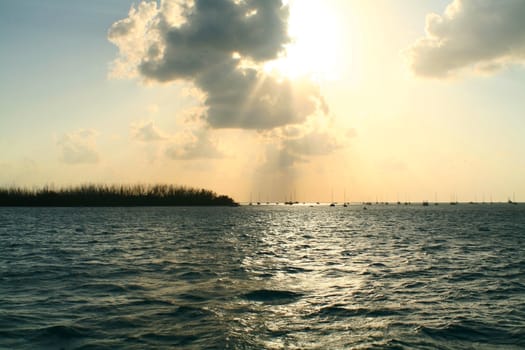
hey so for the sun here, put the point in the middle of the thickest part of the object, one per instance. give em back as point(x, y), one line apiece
point(315, 49)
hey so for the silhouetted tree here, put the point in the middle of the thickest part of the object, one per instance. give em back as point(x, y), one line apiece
point(113, 195)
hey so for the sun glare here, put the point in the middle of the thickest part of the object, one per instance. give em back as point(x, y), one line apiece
point(315, 47)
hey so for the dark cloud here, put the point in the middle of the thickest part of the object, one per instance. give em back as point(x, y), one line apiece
point(220, 46)
point(481, 34)
point(212, 31)
point(78, 147)
point(250, 100)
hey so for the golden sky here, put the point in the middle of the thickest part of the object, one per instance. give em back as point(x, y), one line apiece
point(366, 100)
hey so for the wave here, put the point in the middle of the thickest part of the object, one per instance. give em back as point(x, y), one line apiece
point(183, 284)
point(473, 331)
point(272, 296)
point(186, 313)
point(57, 336)
point(337, 311)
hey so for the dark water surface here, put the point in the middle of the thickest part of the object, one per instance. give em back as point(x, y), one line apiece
point(390, 277)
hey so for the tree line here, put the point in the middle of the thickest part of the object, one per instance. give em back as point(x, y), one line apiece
point(112, 195)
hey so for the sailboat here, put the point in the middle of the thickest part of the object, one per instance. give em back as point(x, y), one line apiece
point(332, 203)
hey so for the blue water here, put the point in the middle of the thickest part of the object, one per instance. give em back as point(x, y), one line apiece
point(275, 277)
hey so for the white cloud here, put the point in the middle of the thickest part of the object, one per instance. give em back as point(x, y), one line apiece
point(279, 159)
point(132, 37)
point(79, 147)
point(482, 35)
point(290, 146)
point(194, 144)
point(147, 132)
point(313, 144)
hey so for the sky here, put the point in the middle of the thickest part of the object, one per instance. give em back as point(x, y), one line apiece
point(267, 100)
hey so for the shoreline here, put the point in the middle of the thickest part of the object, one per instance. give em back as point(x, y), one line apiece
point(112, 196)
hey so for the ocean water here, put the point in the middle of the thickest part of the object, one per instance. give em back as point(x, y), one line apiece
point(263, 277)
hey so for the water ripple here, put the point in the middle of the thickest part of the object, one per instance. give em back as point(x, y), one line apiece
point(390, 277)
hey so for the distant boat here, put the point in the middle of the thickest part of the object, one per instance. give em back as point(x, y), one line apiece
point(332, 204)
point(425, 203)
point(345, 205)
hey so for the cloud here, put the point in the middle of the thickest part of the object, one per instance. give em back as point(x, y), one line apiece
point(79, 147)
point(220, 46)
point(485, 35)
point(147, 132)
point(297, 145)
point(196, 144)
point(196, 141)
point(254, 101)
point(313, 144)
point(279, 158)
point(129, 35)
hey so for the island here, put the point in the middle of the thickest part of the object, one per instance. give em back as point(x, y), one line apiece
point(93, 195)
